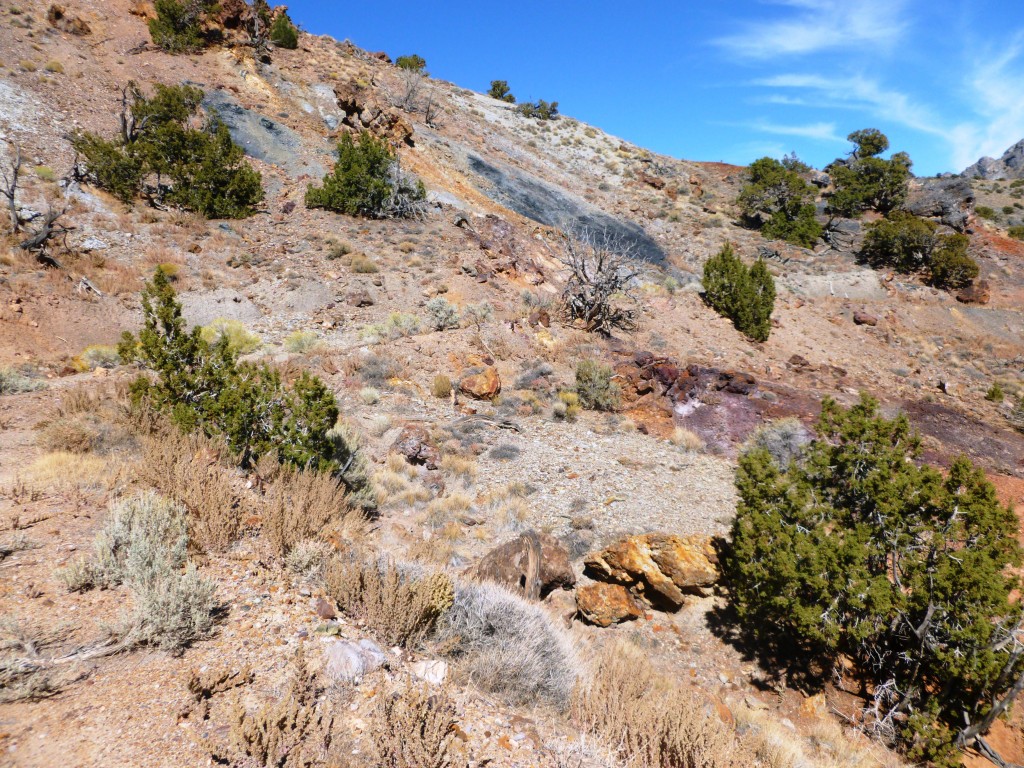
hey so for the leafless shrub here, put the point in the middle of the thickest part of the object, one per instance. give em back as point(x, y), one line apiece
point(652, 721)
point(291, 731)
point(784, 439)
point(401, 607)
point(306, 504)
point(408, 97)
point(599, 292)
point(9, 187)
point(24, 673)
point(506, 644)
point(414, 727)
point(188, 469)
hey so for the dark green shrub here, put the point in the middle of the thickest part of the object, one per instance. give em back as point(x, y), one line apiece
point(283, 33)
point(995, 393)
point(856, 551)
point(745, 296)
point(178, 26)
point(1008, 209)
point(780, 203)
point(910, 244)
point(111, 165)
point(865, 181)
point(500, 91)
point(413, 63)
point(540, 109)
point(985, 212)
point(214, 179)
point(595, 388)
point(204, 167)
point(1017, 233)
point(366, 182)
point(950, 266)
point(203, 387)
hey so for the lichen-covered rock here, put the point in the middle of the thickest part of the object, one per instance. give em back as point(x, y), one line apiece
point(535, 564)
point(606, 604)
point(658, 567)
point(416, 445)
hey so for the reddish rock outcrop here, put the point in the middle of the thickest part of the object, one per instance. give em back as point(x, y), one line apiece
point(606, 604)
point(657, 567)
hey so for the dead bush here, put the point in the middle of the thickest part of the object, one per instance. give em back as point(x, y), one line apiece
point(72, 434)
point(25, 674)
point(508, 645)
point(414, 727)
point(291, 731)
point(304, 505)
point(188, 468)
point(400, 606)
point(653, 721)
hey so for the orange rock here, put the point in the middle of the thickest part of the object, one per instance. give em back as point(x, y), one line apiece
point(606, 604)
point(481, 386)
point(657, 566)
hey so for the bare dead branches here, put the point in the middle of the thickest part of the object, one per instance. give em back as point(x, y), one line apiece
point(50, 229)
point(599, 292)
point(9, 186)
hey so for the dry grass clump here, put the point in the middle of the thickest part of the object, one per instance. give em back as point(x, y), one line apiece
point(144, 545)
point(400, 606)
point(239, 339)
point(785, 439)
point(828, 744)
point(72, 435)
point(398, 482)
point(506, 644)
point(507, 507)
point(65, 470)
point(308, 558)
point(290, 731)
point(687, 440)
point(305, 505)
point(653, 721)
point(300, 342)
point(441, 387)
point(362, 264)
point(188, 468)
point(412, 726)
point(460, 467)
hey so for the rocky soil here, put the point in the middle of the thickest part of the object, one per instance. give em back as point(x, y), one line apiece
point(500, 186)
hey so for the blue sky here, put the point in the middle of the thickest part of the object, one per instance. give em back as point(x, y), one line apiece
point(730, 81)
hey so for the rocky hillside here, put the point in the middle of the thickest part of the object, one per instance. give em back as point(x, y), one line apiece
point(1008, 167)
point(477, 468)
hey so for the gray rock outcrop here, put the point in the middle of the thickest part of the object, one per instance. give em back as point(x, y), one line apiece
point(950, 200)
point(1009, 166)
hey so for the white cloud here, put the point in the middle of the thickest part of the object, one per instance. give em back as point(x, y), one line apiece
point(996, 93)
point(817, 131)
point(862, 93)
point(820, 25)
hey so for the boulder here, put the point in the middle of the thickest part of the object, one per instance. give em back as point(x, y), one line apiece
point(978, 292)
point(416, 445)
point(433, 671)
point(561, 604)
point(606, 604)
point(60, 19)
point(360, 297)
point(535, 564)
point(950, 200)
point(860, 317)
point(658, 567)
point(481, 385)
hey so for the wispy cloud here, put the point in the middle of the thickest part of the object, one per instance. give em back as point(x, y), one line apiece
point(863, 93)
point(820, 25)
point(996, 92)
point(816, 131)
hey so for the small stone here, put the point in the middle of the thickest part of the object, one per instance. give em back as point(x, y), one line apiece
point(606, 604)
point(861, 317)
point(324, 609)
point(433, 671)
